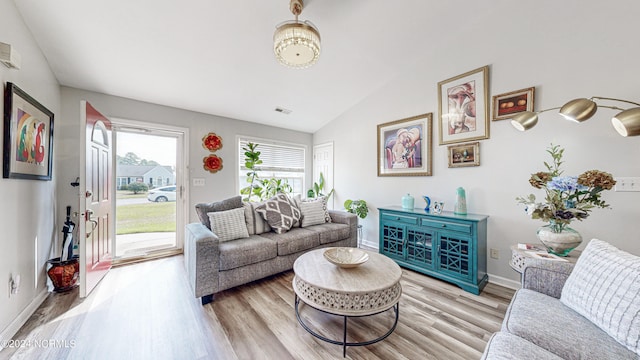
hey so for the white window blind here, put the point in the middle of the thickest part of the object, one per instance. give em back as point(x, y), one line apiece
point(276, 157)
point(280, 160)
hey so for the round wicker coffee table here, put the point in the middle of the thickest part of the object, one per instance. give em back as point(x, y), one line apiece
point(369, 289)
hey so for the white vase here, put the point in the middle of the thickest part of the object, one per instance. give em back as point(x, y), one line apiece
point(559, 243)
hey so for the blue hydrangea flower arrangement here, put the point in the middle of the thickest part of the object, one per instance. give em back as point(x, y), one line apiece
point(567, 198)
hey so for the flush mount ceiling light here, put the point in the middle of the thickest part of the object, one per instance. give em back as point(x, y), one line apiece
point(626, 123)
point(296, 44)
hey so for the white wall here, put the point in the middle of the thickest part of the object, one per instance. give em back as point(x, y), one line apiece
point(27, 207)
point(218, 186)
point(566, 50)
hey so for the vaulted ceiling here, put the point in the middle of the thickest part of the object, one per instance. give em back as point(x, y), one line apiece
point(216, 56)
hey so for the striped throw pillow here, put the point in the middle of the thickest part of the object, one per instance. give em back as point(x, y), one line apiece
point(229, 225)
point(256, 224)
point(604, 287)
point(314, 212)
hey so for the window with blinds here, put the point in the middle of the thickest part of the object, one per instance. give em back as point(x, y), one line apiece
point(280, 160)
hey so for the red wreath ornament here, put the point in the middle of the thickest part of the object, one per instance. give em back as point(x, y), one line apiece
point(212, 142)
point(212, 163)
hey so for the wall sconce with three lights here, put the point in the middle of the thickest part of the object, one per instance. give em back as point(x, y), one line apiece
point(626, 123)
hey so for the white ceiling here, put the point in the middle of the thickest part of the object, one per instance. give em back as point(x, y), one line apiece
point(216, 56)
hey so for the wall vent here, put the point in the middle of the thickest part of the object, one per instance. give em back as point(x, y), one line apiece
point(283, 110)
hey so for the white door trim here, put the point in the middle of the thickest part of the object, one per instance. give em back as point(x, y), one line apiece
point(182, 172)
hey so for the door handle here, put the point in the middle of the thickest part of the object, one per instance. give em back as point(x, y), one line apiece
point(94, 225)
point(87, 194)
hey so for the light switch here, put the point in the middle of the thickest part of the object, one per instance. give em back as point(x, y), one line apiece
point(198, 182)
point(628, 184)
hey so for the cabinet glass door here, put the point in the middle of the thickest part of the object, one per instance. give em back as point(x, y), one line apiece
point(420, 247)
point(392, 240)
point(454, 255)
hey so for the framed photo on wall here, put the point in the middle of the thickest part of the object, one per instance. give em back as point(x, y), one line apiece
point(505, 106)
point(463, 104)
point(28, 136)
point(405, 147)
point(461, 155)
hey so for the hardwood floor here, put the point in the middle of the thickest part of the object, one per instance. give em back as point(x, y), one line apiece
point(146, 311)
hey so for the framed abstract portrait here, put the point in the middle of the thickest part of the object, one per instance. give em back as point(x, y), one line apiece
point(463, 103)
point(28, 137)
point(405, 147)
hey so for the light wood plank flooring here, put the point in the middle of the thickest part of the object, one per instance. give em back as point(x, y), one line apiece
point(145, 311)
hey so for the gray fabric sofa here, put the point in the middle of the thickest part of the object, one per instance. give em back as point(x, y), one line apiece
point(214, 265)
point(539, 325)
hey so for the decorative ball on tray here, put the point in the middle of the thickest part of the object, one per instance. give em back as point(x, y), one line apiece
point(346, 257)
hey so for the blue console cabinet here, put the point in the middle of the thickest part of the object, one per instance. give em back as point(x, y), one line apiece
point(446, 246)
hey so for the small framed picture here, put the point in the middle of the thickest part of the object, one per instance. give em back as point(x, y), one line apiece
point(505, 106)
point(404, 147)
point(463, 103)
point(464, 155)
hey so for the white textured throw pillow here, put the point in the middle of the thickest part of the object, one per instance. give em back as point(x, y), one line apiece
point(604, 287)
point(314, 212)
point(229, 225)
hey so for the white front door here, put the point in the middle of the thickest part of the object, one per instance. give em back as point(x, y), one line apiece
point(323, 163)
point(95, 229)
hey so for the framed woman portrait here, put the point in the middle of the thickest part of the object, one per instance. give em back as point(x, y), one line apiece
point(405, 147)
point(463, 103)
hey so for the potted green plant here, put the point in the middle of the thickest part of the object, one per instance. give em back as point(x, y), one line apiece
point(318, 189)
point(358, 207)
point(260, 189)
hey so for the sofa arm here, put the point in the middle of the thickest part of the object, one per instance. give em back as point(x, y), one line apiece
point(547, 278)
point(202, 259)
point(343, 217)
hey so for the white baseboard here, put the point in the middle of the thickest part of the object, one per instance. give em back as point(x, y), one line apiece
point(10, 331)
point(508, 283)
point(369, 244)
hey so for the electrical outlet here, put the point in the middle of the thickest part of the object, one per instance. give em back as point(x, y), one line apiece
point(16, 284)
point(495, 254)
point(198, 181)
point(627, 184)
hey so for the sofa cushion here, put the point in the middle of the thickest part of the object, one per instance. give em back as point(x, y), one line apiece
point(505, 346)
point(295, 240)
point(280, 213)
point(203, 209)
point(229, 224)
point(604, 287)
point(548, 323)
point(331, 232)
point(241, 252)
point(314, 211)
point(256, 224)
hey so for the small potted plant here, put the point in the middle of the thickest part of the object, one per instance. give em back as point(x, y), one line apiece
point(358, 207)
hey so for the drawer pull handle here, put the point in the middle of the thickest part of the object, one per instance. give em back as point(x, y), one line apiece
point(444, 225)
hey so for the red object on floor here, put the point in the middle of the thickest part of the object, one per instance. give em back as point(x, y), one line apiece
point(64, 274)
